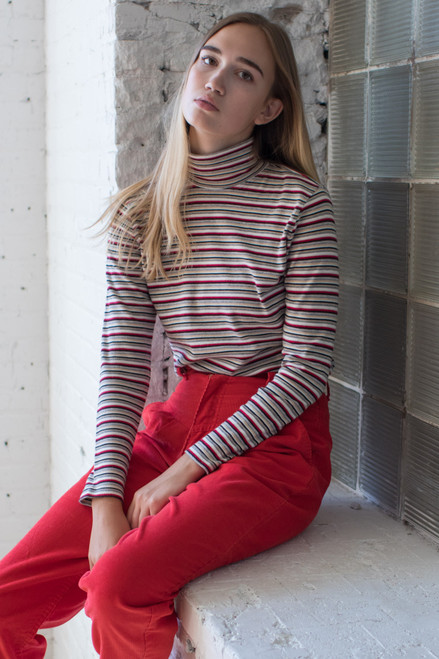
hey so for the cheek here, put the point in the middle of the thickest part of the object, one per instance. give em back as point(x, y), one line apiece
point(187, 96)
point(192, 80)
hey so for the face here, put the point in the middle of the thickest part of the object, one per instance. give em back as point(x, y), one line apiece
point(228, 90)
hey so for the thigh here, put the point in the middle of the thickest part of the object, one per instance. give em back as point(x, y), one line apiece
point(251, 503)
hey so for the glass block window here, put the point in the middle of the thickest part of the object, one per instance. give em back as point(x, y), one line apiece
point(423, 381)
point(387, 229)
point(421, 493)
point(392, 24)
point(349, 29)
point(426, 140)
point(389, 117)
point(384, 347)
point(344, 406)
point(349, 345)
point(347, 117)
point(428, 37)
point(425, 242)
point(384, 179)
point(349, 205)
point(381, 442)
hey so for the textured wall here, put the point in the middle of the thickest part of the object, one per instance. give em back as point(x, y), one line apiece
point(24, 443)
point(155, 43)
point(80, 172)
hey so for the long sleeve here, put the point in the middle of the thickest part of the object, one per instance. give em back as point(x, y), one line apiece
point(125, 366)
point(311, 287)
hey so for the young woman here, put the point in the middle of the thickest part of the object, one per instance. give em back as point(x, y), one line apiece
point(230, 242)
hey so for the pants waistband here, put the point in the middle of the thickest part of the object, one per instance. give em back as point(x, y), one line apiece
point(187, 372)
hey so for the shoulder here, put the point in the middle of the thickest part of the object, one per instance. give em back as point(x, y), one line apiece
point(128, 219)
point(288, 183)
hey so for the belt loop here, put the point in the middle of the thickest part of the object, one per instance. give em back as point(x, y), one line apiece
point(269, 376)
point(182, 371)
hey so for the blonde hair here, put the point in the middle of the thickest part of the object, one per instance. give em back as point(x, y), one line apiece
point(153, 205)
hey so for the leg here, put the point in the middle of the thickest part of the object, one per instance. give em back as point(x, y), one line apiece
point(248, 505)
point(39, 577)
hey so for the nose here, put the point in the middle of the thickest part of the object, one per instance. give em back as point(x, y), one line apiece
point(216, 83)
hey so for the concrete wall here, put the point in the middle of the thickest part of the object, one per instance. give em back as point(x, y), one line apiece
point(24, 384)
point(80, 174)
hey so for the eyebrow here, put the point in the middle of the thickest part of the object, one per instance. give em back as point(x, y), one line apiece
point(249, 62)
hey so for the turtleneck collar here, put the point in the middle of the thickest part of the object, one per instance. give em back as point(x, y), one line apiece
point(224, 168)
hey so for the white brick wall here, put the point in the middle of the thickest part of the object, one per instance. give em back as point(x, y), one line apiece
point(24, 445)
point(80, 173)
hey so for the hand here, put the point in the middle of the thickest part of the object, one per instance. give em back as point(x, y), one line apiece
point(109, 525)
point(153, 496)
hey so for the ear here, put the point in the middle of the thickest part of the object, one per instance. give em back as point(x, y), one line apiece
point(272, 109)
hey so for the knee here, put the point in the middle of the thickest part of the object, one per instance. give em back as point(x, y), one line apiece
point(106, 590)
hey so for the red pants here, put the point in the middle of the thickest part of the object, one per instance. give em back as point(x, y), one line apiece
point(251, 503)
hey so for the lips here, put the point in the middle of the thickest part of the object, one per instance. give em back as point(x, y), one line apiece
point(205, 103)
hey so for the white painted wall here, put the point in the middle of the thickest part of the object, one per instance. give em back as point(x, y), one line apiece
point(81, 153)
point(24, 397)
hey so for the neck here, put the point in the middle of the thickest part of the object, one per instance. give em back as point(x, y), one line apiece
point(226, 167)
point(204, 145)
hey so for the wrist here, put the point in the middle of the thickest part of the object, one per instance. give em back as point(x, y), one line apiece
point(191, 467)
point(106, 505)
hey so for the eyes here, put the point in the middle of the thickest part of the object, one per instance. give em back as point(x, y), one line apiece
point(210, 61)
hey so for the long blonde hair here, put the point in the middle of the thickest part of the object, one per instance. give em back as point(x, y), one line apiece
point(153, 205)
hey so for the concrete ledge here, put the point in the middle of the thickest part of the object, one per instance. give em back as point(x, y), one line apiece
point(355, 584)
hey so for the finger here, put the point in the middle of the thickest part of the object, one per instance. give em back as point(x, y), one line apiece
point(144, 511)
point(130, 514)
point(134, 519)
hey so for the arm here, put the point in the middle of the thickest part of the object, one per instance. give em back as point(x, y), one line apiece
point(311, 286)
point(153, 496)
point(125, 368)
point(109, 525)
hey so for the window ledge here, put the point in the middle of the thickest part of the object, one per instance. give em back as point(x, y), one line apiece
point(356, 583)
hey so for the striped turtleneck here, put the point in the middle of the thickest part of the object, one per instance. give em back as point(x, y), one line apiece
point(258, 294)
point(225, 168)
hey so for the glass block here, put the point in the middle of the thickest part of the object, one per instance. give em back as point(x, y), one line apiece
point(381, 442)
point(347, 114)
point(423, 358)
point(347, 49)
point(428, 39)
point(344, 407)
point(384, 347)
point(421, 483)
point(392, 37)
point(389, 122)
point(348, 198)
point(426, 129)
point(348, 340)
point(425, 247)
point(386, 236)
